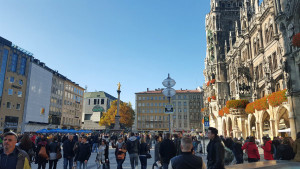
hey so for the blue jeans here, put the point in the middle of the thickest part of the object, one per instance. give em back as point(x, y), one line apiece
point(79, 164)
point(95, 147)
point(66, 161)
point(120, 163)
point(143, 160)
point(134, 160)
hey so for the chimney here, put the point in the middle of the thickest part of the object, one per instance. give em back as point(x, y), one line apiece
point(147, 89)
point(181, 89)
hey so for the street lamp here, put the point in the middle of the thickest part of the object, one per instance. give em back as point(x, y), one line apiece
point(169, 92)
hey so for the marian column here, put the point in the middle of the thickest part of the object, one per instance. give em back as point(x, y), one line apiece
point(117, 117)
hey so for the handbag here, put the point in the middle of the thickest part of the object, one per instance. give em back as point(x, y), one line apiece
point(58, 155)
point(148, 155)
point(43, 153)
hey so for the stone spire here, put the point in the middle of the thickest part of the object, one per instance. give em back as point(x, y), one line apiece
point(236, 29)
point(230, 40)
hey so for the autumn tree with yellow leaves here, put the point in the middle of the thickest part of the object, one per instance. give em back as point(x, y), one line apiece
point(126, 113)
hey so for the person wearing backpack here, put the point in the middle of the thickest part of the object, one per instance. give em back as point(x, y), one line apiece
point(228, 152)
point(133, 147)
point(267, 147)
point(251, 150)
point(42, 153)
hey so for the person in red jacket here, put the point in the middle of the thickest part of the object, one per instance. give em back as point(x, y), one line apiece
point(252, 150)
point(267, 148)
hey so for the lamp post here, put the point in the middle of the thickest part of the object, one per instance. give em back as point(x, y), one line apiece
point(169, 92)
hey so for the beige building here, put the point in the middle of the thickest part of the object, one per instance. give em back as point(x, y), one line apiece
point(14, 63)
point(72, 105)
point(256, 64)
point(94, 105)
point(150, 108)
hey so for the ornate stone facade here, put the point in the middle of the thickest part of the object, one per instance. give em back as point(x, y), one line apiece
point(258, 60)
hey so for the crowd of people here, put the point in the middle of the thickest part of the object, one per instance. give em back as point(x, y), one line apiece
point(175, 151)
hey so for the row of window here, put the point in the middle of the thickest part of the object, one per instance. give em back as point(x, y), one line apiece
point(151, 125)
point(14, 63)
point(96, 101)
point(9, 106)
point(153, 118)
point(70, 121)
point(12, 80)
point(11, 92)
point(74, 89)
point(73, 96)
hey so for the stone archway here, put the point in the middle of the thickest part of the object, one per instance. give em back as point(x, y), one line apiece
point(283, 122)
point(224, 128)
point(266, 125)
point(252, 124)
point(230, 131)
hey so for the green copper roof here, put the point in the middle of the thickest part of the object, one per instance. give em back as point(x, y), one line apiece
point(99, 94)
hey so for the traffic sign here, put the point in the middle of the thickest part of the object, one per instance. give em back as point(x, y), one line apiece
point(169, 109)
point(206, 123)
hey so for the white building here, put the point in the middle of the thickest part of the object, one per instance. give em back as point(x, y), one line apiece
point(37, 98)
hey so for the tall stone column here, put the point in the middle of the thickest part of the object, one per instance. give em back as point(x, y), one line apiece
point(292, 117)
point(272, 129)
point(243, 126)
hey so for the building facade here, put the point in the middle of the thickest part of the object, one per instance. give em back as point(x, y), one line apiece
point(13, 80)
point(72, 107)
point(56, 100)
point(37, 99)
point(151, 116)
point(94, 104)
point(257, 64)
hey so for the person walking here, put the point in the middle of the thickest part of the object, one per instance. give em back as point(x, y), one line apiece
point(12, 157)
point(296, 148)
point(167, 150)
point(186, 160)
point(215, 150)
point(237, 151)
point(68, 154)
point(252, 150)
point(42, 153)
point(54, 149)
point(83, 153)
point(102, 159)
point(156, 149)
point(285, 150)
point(133, 146)
point(28, 146)
point(120, 153)
point(267, 147)
point(143, 151)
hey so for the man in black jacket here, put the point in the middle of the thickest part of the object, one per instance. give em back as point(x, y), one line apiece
point(186, 160)
point(215, 150)
point(133, 147)
point(68, 152)
point(167, 151)
point(83, 153)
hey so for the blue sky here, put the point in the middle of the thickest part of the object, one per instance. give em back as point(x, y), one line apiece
point(100, 43)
